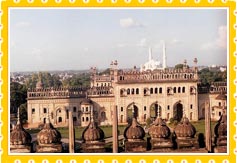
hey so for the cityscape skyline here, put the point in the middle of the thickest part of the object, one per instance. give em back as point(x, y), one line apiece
point(75, 39)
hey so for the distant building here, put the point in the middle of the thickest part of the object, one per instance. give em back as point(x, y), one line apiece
point(171, 92)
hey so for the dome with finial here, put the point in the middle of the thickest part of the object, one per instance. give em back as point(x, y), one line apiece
point(19, 136)
point(221, 127)
point(159, 129)
point(49, 134)
point(185, 128)
point(134, 131)
point(93, 133)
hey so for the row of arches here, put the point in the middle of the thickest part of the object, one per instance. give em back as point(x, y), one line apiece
point(155, 110)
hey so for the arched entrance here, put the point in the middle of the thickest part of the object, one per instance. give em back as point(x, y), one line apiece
point(154, 109)
point(132, 111)
point(178, 111)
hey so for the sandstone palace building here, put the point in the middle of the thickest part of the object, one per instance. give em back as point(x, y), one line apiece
point(153, 89)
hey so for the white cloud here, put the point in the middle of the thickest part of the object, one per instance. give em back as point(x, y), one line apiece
point(219, 42)
point(129, 23)
point(222, 37)
point(22, 24)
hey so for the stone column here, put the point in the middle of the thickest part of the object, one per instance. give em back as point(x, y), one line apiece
point(208, 126)
point(71, 133)
point(115, 130)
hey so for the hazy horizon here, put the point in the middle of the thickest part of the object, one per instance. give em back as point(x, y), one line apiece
point(77, 39)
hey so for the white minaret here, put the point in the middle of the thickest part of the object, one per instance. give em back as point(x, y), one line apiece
point(164, 56)
point(150, 54)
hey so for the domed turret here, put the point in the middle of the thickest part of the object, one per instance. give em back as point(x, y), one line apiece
point(19, 136)
point(49, 135)
point(221, 126)
point(134, 131)
point(93, 137)
point(20, 140)
point(159, 129)
point(93, 133)
point(220, 139)
point(49, 139)
point(185, 128)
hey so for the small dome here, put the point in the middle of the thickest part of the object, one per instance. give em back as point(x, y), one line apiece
point(93, 133)
point(19, 136)
point(39, 85)
point(49, 135)
point(221, 127)
point(86, 101)
point(159, 129)
point(134, 131)
point(185, 128)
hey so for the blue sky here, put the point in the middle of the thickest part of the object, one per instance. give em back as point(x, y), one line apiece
point(65, 39)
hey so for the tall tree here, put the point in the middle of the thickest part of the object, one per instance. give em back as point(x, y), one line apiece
point(18, 94)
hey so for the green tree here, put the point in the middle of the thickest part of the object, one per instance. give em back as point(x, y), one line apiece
point(46, 78)
point(78, 80)
point(18, 95)
point(23, 113)
point(207, 76)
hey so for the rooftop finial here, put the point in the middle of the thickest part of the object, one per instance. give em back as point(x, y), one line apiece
point(18, 116)
point(92, 115)
point(158, 112)
point(47, 116)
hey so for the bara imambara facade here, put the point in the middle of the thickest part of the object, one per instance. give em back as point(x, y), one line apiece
point(145, 93)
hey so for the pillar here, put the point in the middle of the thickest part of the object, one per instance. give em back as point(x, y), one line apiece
point(115, 130)
point(71, 133)
point(208, 126)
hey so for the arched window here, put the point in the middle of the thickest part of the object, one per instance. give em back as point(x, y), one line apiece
point(151, 90)
point(60, 119)
point(174, 89)
point(137, 91)
point(74, 109)
point(45, 110)
point(87, 119)
point(133, 91)
point(128, 91)
point(179, 90)
point(160, 90)
point(121, 92)
point(183, 89)
point(156, 90)
point(144, 91)
point(83, 119)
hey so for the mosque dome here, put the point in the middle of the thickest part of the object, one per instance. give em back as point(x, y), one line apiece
point(19, 136)
point(134, 131)
point(185, 128)
point(221, 127)
point(93, 133)
point(159, 129)
point(39, 85)
point(49, 135)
